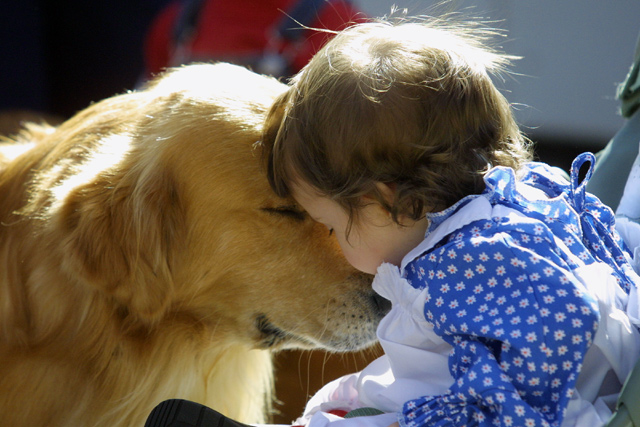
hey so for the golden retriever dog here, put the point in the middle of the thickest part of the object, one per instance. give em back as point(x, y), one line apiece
point(144, 257)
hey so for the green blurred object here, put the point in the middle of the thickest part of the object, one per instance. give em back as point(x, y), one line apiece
point(629, 91)
point(608, 181)
point(627, 412)
point(363, 412)
point(615, 160)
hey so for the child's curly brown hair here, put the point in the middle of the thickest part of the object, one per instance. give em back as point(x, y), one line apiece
point(410, 104)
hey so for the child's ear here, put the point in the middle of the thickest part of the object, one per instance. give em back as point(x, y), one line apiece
point(388, 191)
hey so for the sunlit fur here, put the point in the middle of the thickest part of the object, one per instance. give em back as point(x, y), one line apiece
point(143, 256)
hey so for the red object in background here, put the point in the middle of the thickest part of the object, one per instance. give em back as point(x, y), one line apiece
point(244, 32)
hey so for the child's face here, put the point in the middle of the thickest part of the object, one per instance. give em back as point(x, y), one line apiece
point(374, 239)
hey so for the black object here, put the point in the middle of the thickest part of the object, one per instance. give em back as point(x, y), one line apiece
point(184, 413)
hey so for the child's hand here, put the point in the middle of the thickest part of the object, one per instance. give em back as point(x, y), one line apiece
point(395, 424)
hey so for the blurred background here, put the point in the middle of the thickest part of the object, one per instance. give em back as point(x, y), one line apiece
point(58, 56)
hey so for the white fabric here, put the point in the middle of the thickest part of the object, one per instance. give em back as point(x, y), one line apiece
point(415, 361)
point(630, 202)
point(630, 232)
point(615, 350)
point(322, 419)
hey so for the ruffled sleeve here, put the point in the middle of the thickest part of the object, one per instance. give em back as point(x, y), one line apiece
point(494, 397)
point(502, 295)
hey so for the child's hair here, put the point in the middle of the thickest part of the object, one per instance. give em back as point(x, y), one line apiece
point(408, 104)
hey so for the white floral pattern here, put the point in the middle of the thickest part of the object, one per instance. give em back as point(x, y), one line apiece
point(502, 293)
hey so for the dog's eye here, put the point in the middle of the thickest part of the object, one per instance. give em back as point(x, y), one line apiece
point(330, 231)
point(288, 211)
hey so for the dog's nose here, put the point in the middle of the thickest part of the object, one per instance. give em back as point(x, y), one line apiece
point(383, 304)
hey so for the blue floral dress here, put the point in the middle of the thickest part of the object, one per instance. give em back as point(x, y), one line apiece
point(503, 292)
point(496, 312)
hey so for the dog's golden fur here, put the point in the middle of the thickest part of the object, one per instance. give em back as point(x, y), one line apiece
point(143, 257)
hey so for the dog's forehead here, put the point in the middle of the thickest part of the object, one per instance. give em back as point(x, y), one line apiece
point(220, 81)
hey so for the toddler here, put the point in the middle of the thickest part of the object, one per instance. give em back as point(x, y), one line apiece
point(513, 299)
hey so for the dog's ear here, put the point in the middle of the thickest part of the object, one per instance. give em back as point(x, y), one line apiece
point(119, 235)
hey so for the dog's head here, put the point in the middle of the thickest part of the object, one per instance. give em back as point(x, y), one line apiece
point(159, 203)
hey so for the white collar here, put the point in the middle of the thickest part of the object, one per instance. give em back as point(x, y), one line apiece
point(477, 209)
